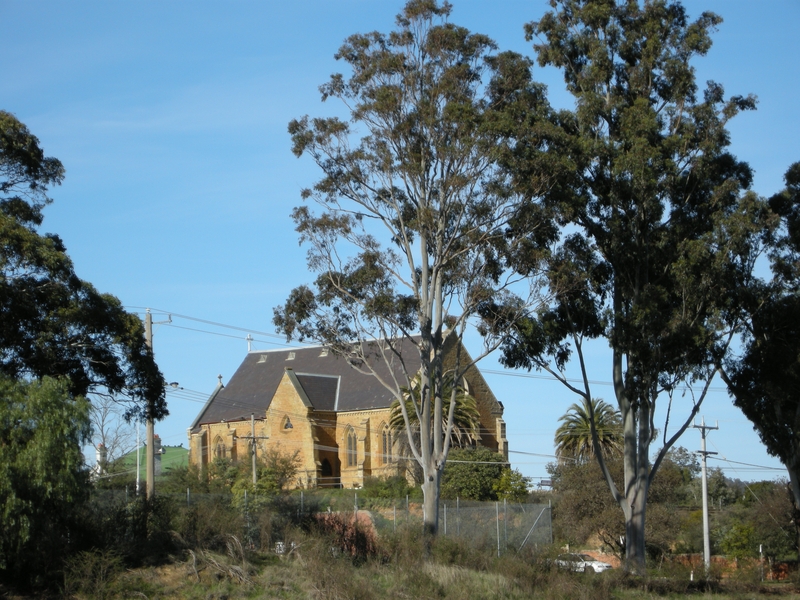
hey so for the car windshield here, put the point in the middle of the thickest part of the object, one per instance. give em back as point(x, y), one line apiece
point(585, 557)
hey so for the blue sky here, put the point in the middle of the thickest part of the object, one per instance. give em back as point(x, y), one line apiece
point(170, 118)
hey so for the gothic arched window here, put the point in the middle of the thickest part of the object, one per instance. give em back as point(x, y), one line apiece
point(220, 450)
point(386, 445)
point(352, 447)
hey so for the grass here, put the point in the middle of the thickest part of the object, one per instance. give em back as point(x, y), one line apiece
point(401, 567)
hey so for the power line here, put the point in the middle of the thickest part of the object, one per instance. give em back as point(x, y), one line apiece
point(227, 335)
point(759, 467)
point(207, 322)
point(571, 379)
point(285, 344)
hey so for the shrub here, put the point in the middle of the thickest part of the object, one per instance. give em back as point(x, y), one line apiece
point(392, 487)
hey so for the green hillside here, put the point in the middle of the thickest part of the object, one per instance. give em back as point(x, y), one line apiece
point(173, 456)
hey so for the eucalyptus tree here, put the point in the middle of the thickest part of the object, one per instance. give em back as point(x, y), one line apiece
point(764, 379)
point(411, 235)
point(659, 229)
point(55, 324)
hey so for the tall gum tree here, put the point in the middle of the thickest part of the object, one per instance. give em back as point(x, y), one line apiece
point(414, 215)
point(764, 378)
point(658, 228)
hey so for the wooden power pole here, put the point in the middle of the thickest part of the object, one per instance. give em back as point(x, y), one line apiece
point(150, 456)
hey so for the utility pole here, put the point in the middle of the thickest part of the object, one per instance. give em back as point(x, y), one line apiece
point(706, 541)
point(150, 458)
point(138, 457)
point(253, 437)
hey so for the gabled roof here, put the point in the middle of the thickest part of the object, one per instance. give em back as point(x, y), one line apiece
point(328, 382)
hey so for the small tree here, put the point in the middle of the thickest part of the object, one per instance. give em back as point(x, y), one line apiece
point(111, 430)
point(420, 209)
point(43, 479)
point(473, 474)
point(512, 486)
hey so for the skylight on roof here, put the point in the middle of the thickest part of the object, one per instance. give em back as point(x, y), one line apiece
point(290, 356)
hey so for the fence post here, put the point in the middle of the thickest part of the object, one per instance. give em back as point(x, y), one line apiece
point(355, 506)
point(408, 513)
point(445, 518)
point(188, 502)
point(302, 507)
point(505, 524)
point(458, 518)
point(497, 520)
point(394, 518)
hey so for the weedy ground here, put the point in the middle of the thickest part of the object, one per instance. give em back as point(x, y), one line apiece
point(403, 566)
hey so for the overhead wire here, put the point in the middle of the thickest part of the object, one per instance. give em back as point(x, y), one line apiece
point(200, 397)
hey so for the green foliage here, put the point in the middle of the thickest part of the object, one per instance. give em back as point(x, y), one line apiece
point(54, 323)
point(662, 233)
point(763, 516)
point(574, 439)
point(764, 378)
point(466, 418)
point(739, 541)
point(414, 218)
point(473, 474)
point(43, 479)
point(512, 486)
point(274, 471)
point(390, 488)
point(92, 575)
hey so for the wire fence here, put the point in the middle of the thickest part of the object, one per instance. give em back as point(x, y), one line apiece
point(502, 526)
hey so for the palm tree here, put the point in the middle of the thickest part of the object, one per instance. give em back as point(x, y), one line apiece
point(466, 419)
point(573, 437)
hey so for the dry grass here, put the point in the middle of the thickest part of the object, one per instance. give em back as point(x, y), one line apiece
point(318, 569)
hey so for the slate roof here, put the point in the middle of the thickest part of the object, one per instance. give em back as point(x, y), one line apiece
point(330, 383)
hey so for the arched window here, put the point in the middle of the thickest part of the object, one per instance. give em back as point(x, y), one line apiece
point(352, 447)
point(220, 450)
point(386, 445)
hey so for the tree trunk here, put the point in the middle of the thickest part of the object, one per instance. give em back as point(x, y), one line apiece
point(430, 503)
point(634, 529)
point(794, 484)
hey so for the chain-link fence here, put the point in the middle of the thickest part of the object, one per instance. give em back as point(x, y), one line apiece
point(502, 526)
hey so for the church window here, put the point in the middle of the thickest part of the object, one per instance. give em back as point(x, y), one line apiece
point(352, 448)
point(386, 445)
point(220, 450)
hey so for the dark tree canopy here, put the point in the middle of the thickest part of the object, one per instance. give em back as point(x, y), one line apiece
point(54, 323)
point(659, 231)
point(765, 379)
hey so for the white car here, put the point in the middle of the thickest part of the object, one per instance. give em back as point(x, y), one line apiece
point(582, 563)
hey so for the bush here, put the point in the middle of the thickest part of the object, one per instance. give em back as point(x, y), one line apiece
point(92, 574)
point(390, 488)
point(475, 481)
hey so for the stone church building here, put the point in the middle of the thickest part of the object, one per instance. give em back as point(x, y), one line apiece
point(313, 402)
